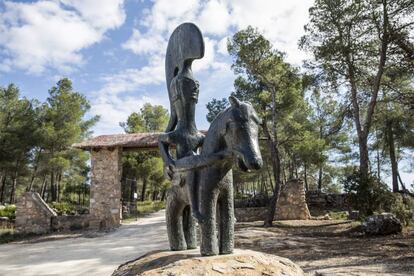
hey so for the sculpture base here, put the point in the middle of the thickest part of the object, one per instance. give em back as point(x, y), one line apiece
point(241, 262)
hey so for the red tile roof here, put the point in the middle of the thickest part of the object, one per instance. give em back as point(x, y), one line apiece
point(133, 141)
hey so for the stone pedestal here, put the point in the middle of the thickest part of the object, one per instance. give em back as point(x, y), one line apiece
point(292, 202)
point(33, 215)
point(189, 262)
point(105, 195)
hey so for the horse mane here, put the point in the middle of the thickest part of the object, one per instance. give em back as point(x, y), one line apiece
point(215, 131)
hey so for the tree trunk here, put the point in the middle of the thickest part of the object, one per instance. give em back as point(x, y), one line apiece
point(3, 188)
point(13, 189)
point(36, 165)
point(274, 152)
point(144, 188)
point(52, 187)
point(394, 164)
point(58, 188)
point(320, 175)
point(363, 158)
point(305, 176)
point(164, 192)
point(43, 188)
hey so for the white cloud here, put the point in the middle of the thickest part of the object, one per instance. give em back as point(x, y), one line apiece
point(127, 91)
point(49, 34)
point(222, 46)
point(280, 21)
point(165, 15)
point(132, 79)
point(215, 18)
point(101, 14)
point(145, 44)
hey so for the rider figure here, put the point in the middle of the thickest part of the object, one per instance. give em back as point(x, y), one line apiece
point(186, 138)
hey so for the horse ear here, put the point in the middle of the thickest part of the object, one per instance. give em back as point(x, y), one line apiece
point(234, 101)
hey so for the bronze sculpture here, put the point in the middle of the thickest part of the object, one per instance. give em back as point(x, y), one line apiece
point(200, 181)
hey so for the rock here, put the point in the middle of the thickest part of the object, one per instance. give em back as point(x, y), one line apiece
point(241, 262)
point(383, 224)
point(353, 215)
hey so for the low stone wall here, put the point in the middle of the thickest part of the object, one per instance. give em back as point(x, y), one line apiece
point(315, 201)
point(327, 201)
point(250, 214)
point(70, 223)
point(5, 222)
point(33, 215)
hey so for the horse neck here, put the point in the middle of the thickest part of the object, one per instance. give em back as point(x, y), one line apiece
point(214, 141)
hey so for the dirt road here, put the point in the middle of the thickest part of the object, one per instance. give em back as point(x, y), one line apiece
point(85, 256)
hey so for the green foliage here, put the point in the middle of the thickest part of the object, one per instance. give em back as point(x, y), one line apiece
point(215, 107)
point(146, 166)
point(8, 211)
point(147, 207)
point(342, 215)
point(403, 208)
point(151, 118)
point(367, 195)
point(63, 208)
point(36, 140)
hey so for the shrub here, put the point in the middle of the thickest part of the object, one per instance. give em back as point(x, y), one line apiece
point(8, 211)
point(369, 195)
point(403, 208)
point(63, 208)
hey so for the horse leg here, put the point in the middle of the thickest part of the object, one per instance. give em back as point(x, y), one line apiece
point(189, 226)
point(209, 243)
point(174, 220)
point(226, 209)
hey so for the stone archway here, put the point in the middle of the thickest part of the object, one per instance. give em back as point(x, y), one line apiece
point(106, 171)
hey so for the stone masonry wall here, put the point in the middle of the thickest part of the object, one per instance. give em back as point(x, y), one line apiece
point(33, 215)
point(105, 196)
point(317, 200)
point(292, 202)
point(70, 223)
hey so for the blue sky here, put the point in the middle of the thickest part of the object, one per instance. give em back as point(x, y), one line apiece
point(113, 50)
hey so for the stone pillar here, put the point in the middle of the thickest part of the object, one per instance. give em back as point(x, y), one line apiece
point(105, 195)
point(292, 202)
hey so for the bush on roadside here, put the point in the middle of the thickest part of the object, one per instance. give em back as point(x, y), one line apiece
point(8, 211)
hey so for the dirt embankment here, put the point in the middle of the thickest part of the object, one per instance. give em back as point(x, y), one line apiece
point(331, 247)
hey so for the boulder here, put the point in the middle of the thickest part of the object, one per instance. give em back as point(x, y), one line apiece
point(383, 224)
point(241, 262)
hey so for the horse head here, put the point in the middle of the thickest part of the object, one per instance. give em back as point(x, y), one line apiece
point(241, 134)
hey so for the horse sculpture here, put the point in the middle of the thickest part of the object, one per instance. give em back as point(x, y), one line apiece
point(234, 133)
point(201, 182)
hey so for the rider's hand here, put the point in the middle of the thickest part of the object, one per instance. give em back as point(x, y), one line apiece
point(169, 170)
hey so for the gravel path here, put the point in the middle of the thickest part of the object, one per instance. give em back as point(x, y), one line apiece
point(85, 256)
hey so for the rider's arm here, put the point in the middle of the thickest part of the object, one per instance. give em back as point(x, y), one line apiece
point(199, 161)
